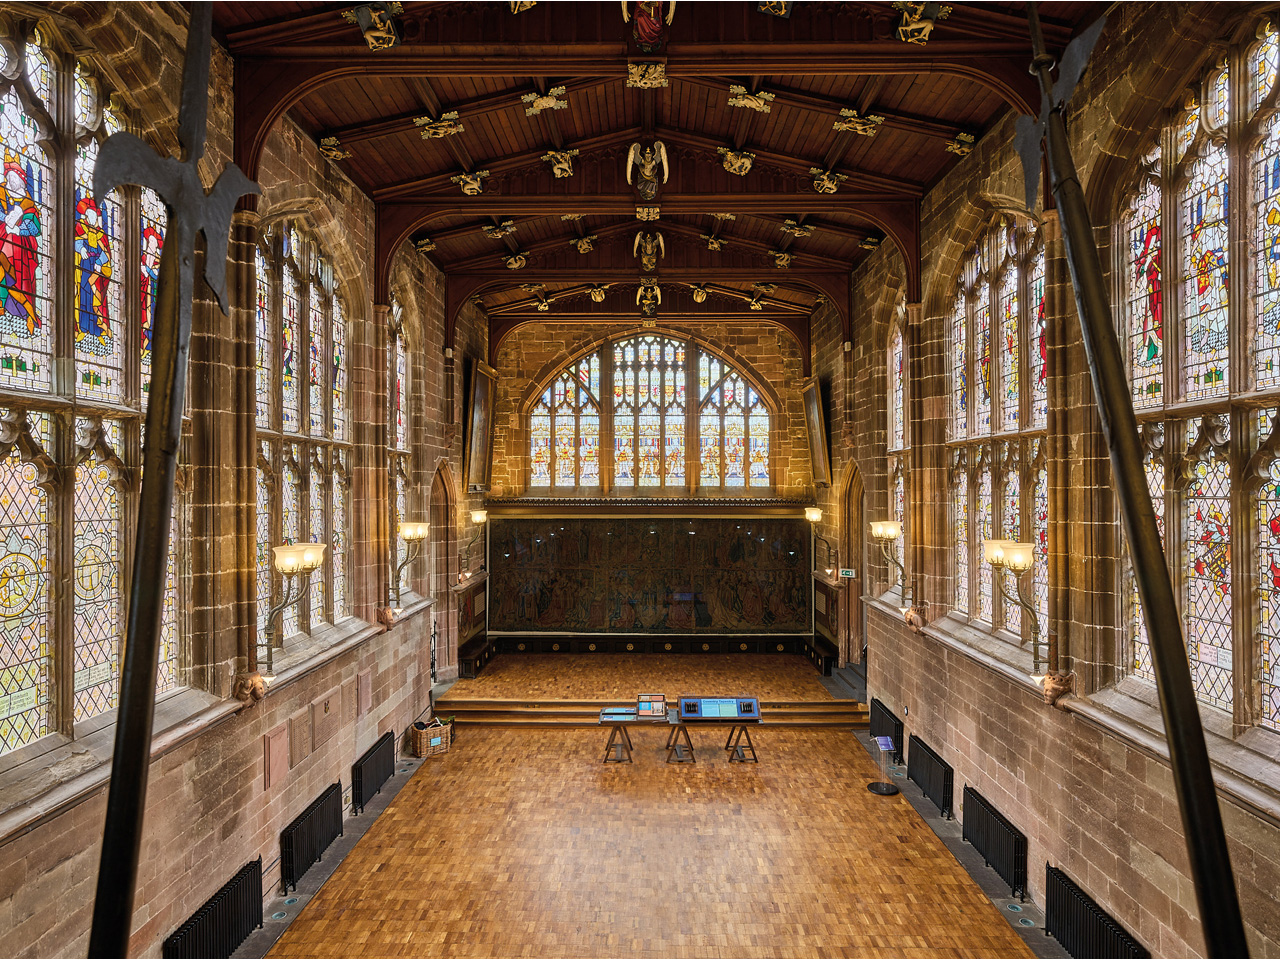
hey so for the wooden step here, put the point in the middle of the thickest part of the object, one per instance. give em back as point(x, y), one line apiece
point(584, 713)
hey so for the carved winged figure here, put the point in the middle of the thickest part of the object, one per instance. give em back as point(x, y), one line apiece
point(649, 298)
point(647, 159)
point(714, 244)
point(561, 162)
point(446, 126)
point(471, 183)
point(647, 30)
point(649, 248)
point(825, 181)
point(761, 101)
point(585, 244)
point(598, 292)
point(736, 161)
point(535, 102)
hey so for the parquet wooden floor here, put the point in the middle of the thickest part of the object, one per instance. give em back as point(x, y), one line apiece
point(521, 843)
point(621, 676)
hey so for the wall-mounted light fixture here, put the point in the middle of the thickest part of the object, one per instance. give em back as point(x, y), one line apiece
point(292, 560)
point(888, 532)
point(1018, 558)
point(813, 515)
point(413, 534)
point(479, 518)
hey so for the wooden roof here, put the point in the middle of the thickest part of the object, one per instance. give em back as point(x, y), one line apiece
point(480, 59)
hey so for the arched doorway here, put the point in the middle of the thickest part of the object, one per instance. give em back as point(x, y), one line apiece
point(443, 572)
point(852, 537)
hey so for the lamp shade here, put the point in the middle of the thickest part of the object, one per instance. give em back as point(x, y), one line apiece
point(813, 514)
point(479, 516)
point(294, 558)
point(886, 529)
point(1019, 557)
point(993, 551)
point(411, 531)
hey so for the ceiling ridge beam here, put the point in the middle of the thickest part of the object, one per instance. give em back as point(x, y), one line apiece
point(686, 230)
point(539, 246)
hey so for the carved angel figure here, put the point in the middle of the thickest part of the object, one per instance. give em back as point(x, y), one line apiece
point(646, 23)
point(647, 159)
point(761, 102)
point(471, 183)
point(561, 162)
point(825, 181)
point(714, 244)
point(736, 161)
point(377, 23)
point(854, 122)
point(536, 102)
point(649, 298)
point(598, 291)
point(446, 126)
point(585, 244)
point(649, 248)
point(699, 293)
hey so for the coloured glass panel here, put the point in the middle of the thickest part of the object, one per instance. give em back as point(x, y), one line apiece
point(960, 541)
point(1010, 349)
point(1262, 66)
point(400, 416)
point(97, 589)
point(264, 376)
point(1011, 529)
point(897, 431)
point(1040, 537)
point(290, 331)
point(960, 369)
point(167, 677)
point(152, 226)
point(24, 604)
point(1203, 210)
point(648, 411)
point(338, 371)
point(984, 508)
point(1207, 533)
point(317, 339)
point(291, 529)
point(263, 570)
point(1269, 595)
point(97, 303)
point(338, 545)
point(1266, 251)
point(1144, 292)
point(982, 358)
point(1139, 641)
point(1037, 362)
point(39, 70)
point(318, 534)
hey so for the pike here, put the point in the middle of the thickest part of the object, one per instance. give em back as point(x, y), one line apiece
point(1188, 756)
point(123, 159)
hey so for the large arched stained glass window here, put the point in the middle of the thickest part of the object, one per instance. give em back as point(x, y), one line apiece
point(564, 429)
point(649, 413)
point(650, 421)
point(71, 445)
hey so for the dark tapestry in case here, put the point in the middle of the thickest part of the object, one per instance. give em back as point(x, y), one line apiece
point(663, 576)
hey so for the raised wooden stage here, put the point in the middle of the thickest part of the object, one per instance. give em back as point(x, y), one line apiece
point(532, 689)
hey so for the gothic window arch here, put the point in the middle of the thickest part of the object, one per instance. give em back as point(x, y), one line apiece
point(897, 389)
point(303, 423)
point(1203, 368)
point(404, 506)
point(999, 408)
point(77, 301)
point(639, 442)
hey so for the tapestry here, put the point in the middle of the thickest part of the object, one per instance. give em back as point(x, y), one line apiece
point(672, 576)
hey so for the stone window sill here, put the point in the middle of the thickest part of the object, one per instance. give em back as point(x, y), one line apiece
point(49, 777)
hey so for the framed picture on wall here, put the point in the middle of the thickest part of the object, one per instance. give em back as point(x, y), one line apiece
point(816, 424)
point(484, 382)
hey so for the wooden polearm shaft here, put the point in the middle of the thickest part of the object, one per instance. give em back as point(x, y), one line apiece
point(1206, 841)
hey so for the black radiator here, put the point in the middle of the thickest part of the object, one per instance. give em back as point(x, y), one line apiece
point(1082, 927)
point(303, 841)
point(885, 724)
point(225, 919)
point(932, 773)
point(1002, 845)
point(372, 770)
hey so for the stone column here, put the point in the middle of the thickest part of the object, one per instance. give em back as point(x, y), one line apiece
point(370, 489)
point(928, 413)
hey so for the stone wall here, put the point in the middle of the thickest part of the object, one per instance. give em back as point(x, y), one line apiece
point(535, 351)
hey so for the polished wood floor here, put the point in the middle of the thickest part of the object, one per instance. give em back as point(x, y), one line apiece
point(521, 843)
point(620, 676)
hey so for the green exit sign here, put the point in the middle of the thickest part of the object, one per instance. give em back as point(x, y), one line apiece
point(848, 574)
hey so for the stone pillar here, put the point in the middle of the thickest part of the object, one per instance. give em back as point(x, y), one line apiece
point(370, 489)
point(928, 413)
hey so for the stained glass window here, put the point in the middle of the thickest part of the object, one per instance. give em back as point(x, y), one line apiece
point(649, 413)
point(960, 538)
point(1037, 362)
point(1010, 345)
point(264, 541)
point(264, 375)
point(399, 411)
point(289, 335)
point(1202, 206)
point(982, 357)
point(1268, 604)
point(1207, 533)
point(565, 429)
point(897, 429)
point(316, 338)
point(338, 544)
point(1139, 641)
point(1144, 291)
point(986, 531)
point(24, 603)
point(97, 307)
point(317, 534)
point(960, 368)
point(152, 227)
point(733, 428)
point(1011, 529)
point(338, 371)
point(97, 582)
point(291, 530)
point(1040, 537)
point(26, 307)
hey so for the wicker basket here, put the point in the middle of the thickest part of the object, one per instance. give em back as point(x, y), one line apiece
point(428, 741)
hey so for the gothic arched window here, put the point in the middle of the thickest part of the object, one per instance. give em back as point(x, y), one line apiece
point(649, 422)
point(999, 407)
point(1210, 403)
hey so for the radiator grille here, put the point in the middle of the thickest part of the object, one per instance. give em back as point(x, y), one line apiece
point(932, 773)
point(225, 919)
point(309, 835)
point(885, 724)
point(1002, 845)
point(372, 770)
point(1083, 928)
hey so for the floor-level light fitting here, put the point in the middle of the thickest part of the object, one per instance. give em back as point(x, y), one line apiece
point(413, 534)
point(1018, 558)
point(295, 562)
